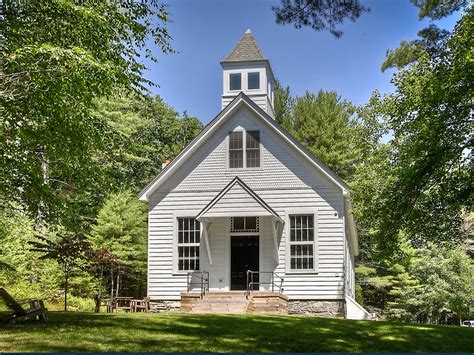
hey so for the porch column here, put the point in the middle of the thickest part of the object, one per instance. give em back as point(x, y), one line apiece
point(276, 230)
point(206, 227)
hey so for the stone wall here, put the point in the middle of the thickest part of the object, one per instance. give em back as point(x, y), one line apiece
point(164, 306)
point(262, 302)
point(317, 308)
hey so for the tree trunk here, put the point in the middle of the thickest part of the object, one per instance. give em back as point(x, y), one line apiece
point(112, 282)
point(65, 292)
point(118, 283)
point(44, 167)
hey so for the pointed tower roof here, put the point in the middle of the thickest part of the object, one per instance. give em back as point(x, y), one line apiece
point(246, 50)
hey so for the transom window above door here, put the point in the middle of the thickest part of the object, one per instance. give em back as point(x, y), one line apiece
point(244, 149)
point(244, 224)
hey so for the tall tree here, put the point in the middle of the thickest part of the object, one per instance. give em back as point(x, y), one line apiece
point(55, 58)
point(426, 171)
point(323, 123)
point(121, 230)
point(69, 250)
point(283, 106)
point(147, 132)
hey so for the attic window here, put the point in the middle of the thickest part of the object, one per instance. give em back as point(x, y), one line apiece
point(244, 148)
point(235, 81)
point(254, 81)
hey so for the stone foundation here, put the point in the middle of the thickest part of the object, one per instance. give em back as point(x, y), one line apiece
point(332, 309)
point(164, 306)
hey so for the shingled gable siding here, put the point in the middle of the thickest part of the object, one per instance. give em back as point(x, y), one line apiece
point(285, 181)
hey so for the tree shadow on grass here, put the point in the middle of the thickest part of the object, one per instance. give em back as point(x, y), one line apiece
point(224, 333)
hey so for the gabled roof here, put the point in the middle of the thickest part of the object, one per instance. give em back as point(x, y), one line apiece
point(252, 203)
point(239, 100)
point(246, 50)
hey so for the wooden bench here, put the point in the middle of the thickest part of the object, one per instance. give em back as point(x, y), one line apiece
point(34, 311)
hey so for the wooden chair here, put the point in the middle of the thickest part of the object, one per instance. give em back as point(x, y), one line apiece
point(123, 304)
point(141, 305)
point(35, 309)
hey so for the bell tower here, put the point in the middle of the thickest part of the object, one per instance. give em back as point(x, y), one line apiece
point(247, 70)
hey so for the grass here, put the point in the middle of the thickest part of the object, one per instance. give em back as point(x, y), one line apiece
point(79, 332)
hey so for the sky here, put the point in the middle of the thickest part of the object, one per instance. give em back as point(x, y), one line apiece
point(205, 31)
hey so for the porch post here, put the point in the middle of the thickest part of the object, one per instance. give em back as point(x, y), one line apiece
point(275, 238)
point(205, 234)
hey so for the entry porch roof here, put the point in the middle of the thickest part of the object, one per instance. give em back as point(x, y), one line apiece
point(237, 200)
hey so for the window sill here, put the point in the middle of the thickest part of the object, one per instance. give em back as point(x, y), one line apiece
point(245, 169)
point(301, 272)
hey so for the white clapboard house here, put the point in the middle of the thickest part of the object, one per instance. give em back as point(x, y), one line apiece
point(245, 203)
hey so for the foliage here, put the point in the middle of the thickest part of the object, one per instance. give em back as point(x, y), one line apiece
point(327, 15)
point(121, 230)
point(436, 9)
point(69, 250)
point(55, 58)
point(317, 14)
point(431, 39)
point(147, 132)
point(442, 285)
point(26, 271)
point(430, 43)
point(430, 116)
point(323, 123)
point(283, 104)
point(144, 132)
point(431, 284)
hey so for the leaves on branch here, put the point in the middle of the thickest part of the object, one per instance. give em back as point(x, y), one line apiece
point(318, 14)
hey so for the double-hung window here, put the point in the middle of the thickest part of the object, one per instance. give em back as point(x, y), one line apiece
point(244, 148)
point(252, 149)
point(189, 235)
point(236, 149)
point(302, 242)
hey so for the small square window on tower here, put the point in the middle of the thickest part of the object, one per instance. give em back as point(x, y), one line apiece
point(254, 81)
point(235, 81)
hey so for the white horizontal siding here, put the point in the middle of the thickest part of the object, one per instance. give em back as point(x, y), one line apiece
point(327, 283)
point(285, 181)
point(260, 100)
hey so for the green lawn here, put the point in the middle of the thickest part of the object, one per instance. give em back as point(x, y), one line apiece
point(224, 333)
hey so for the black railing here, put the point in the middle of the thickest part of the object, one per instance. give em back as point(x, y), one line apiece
point(275, 281)
point(202, 281)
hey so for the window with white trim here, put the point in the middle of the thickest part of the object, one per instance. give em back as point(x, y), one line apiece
point(301, 242)
point(235, 81)
point(244, 147)
point(244, 224)
point(189, 236)
point(252, 149)
point(253, 81)
point(236, 150)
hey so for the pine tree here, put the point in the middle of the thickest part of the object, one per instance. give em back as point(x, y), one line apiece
point(121, 230)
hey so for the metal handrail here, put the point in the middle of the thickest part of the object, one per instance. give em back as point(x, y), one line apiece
point(203, 282)
point(251, 283)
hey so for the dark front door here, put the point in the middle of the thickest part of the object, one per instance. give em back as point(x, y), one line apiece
point(243, 256)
